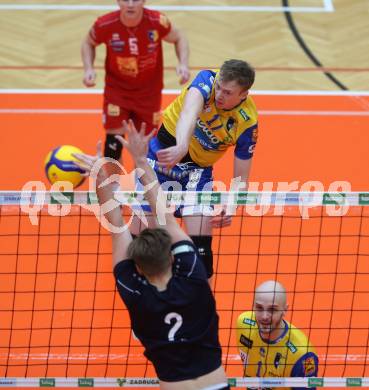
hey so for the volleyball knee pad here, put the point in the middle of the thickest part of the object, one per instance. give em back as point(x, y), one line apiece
point(113, 148)
point(203, 245)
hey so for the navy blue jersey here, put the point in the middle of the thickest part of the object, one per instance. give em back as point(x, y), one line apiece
point(179, 326)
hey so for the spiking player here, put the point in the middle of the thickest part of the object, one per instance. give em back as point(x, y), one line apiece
point(269, 345)
point(213, 114)
point(133, 37)
point(164, 286)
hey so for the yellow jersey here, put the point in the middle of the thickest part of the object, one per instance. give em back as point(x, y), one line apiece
point(290, 355)
point(216, 130)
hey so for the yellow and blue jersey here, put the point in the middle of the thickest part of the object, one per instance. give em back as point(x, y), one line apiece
point(216, 129)
point(291, 355)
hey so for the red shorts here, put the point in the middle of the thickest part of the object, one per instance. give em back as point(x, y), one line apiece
point(139, 109)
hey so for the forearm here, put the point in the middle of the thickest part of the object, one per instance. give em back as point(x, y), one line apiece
point(153, 192)
point(88, 54)
point(182, 49)
point(105, 194)
point(241, 176)
point(241, 172)
point(185, 129)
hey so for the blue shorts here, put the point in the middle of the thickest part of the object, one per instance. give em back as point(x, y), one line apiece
point(186, 176)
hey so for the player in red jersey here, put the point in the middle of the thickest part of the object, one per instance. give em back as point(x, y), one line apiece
point(133, 66)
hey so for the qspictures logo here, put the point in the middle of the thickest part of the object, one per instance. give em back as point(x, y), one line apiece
point(222, 199)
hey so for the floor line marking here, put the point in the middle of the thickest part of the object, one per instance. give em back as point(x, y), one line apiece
point(321, 69)
point(328, 5)
point(91, 111)
point(82, 91)
point(189, 8)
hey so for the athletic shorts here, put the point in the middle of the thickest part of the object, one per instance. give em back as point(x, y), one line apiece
point(139, 109)
point(186, 176)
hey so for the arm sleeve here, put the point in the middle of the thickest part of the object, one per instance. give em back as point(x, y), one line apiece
point(187, 262)
point(245, 144)
point(127, 280)
point(204, 82)
point(96, 33)
point(306, 366)
point(164, 25)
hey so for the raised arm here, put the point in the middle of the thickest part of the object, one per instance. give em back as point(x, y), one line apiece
point(192, 106)
point(137, 145)
point(105, 187)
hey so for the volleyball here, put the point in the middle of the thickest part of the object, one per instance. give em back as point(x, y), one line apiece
point(60, 165)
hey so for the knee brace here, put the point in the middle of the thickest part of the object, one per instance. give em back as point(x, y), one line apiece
point(203, 245)
point(113, 148)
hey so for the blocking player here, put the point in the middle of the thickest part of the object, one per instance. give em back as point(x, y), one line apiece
point(269, 345)
point(164, 285)
point(133, 38)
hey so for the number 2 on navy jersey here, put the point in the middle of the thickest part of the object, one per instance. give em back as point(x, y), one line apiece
point(178, 321)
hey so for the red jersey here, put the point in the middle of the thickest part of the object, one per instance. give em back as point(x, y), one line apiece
point(134, 55)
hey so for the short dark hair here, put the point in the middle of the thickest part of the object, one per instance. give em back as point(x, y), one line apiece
point(151, 251)
point(239, 71)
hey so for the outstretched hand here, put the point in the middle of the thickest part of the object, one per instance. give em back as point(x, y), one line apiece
point(86, 161)
point(137, 143)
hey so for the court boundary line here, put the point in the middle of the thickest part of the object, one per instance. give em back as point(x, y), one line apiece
point(92, 111)
point(177, 92)
point(294, 30)
point(194, 68)
point(327, 6)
